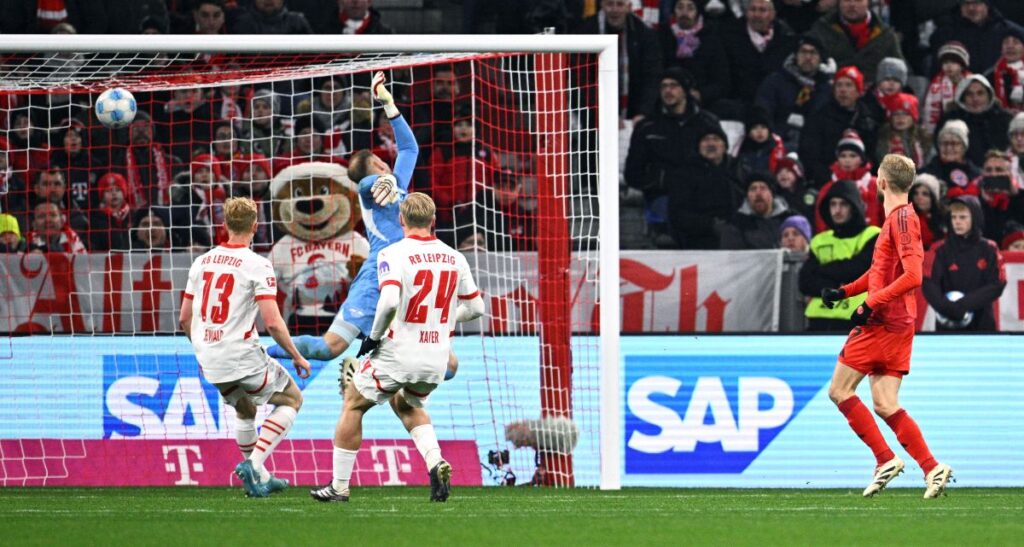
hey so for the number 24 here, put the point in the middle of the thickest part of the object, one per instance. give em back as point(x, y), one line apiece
point(417, 312)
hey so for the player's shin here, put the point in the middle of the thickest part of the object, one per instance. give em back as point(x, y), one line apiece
point(909, 435)
point(426, 443)
point(863, 424)
point(274, 429)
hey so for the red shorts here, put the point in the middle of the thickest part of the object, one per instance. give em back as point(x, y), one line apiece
point(873, 350)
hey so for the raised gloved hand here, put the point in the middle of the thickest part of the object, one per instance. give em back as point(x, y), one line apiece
point(829, 297)
point(383, 96)
point(385, 190)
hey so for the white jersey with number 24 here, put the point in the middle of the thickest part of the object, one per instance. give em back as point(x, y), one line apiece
point(432, 278)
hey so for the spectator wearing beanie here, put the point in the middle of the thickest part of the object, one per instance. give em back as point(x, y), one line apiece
point(110, 223)
point(890, 79)
point(968, 263)
point(951, 165)
point(1008, 74)
point(756, 224)
point(852, 164)
point(826, 126)
point(757, 45)
point(698, 209)
point(761, 149)
point(789, 175)
point(1016, 148)
point(10, 235)
point(1013, 241)
point(802, 86)
point(986, 120)
point(1002, 201)
point(901, 134)
point(663, 144)
point(953, 62)
point(795, 234)
point(839, 254)
point(980, 27)
point(693, 43)
point(852, 35)
point(926, 195)
point(197, 199)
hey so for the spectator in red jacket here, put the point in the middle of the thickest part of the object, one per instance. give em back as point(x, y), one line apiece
point(110, 223)
point(453, 172)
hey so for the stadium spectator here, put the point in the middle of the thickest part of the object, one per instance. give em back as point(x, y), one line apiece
point(252, 175)
point(1008, 73)
point(147, 163)
point(354, 17)
point(10, 235)
point(968, 263)
point(502, 222)
point(49, 186)
point(986, 120)
point(756, 224)
point(661, 146)
point(431, 120)
point(802, 86)
point(78, 164)
point(826, 126)
point(209, 17)
point(761, 149)
point(264, 132)
point(225, 145)
point(270, 17)
point(453, 170)
point(307, 145)
point(852, 35)
point(639, 55)
point(185, 122)
point(980, 27)
point(801, 14)
point(150, 231)
point(951, 165)
point(50, 231)
point(890, 79)
point(700, 204)
point(840, 254)
point(197, 205)
point(330, 107)
point(926, 194)
point(1016, 149)
point(1002, 202)
point(152, 25)
point(226, 103)
point(941, 95)
point(110, 222)
point(13, 190)
point(27, 16)
point(901, 134)
point(27, 148)
point(795, 234)
point(852, 164)
point(1012, 242)
point(789, 174)
point(694, 45)
point(756, 46)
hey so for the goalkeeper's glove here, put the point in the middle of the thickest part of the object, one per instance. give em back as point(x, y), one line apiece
point(860, 317)
point(385, 190)
point(382, 95)
point(369, 345)
point(829, 297)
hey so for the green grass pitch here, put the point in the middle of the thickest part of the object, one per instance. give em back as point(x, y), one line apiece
point(510, 516)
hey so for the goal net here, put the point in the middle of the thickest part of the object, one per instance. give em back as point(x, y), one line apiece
point(98, 228)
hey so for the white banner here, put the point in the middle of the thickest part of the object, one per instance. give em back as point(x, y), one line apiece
point(662, 292)
point(1011, 303)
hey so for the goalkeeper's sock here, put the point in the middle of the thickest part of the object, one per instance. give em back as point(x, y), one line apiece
point(863, 424)
point(344, 461)
point(275, 427)
point(909, 435)
point(426, 443)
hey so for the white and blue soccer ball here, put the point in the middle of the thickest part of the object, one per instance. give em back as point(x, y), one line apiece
point(115, 108)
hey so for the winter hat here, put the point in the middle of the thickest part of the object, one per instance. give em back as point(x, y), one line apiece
point(892, 68)
point(933, 184)
point(9, 224)
point(113, 179)
point(1016, 124)
point(1015, 31)
point(757, 115)
point(854, 74)
point(1015, 232)
point(684, 78)
point(764, 177)
point(245, 161)
point(958, 129)
point(207, 161)
point(955, 51)
point(799, 222)
point(268, 95)
point(792, 163)
point(851, 141)
point(712, 129)
point(811, 40)
point(901, 102)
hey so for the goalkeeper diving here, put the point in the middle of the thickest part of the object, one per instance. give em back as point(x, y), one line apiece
point(381, 190)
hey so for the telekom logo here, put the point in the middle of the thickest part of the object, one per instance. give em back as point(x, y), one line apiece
point(177, 460)
point(391, 460)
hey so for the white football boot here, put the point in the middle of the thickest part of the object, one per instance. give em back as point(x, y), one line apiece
point(883, 475)
point(936, 480)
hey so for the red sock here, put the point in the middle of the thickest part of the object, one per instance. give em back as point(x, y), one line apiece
point(863, 424)
point(909, 435)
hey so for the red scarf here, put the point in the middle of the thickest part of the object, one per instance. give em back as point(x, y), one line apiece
point(867, 187)
point(860, 32)
point(343, 19)
point(50, 13)
point(211, 211)
point(1002, 75)
point(138, 197)
point(897, 145)
point(778, 153)
point(68, 242)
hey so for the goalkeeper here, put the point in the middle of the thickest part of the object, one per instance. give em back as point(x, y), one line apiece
point(380, 192)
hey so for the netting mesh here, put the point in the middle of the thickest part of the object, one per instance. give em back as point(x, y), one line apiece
point(110, 222)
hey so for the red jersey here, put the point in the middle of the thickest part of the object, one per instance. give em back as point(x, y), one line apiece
point(895, 273)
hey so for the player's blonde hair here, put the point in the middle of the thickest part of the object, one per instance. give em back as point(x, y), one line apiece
point(239, 214)
point(418, 210)
point(899, 171)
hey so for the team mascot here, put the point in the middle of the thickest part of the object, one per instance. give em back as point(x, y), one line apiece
point(317, 206)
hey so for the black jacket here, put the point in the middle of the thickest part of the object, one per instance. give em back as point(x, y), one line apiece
point(701, 203)
point(749, 67)
point(781, 94)
point(985, 42)
point(252, 21)
point(971, 265)
point(644, 62)
point(822, 132)
point(709, 65)
point(661, 147)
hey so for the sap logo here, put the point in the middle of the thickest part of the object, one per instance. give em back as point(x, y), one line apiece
point(712, 414)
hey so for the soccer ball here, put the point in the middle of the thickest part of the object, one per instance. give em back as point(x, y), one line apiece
point(115, 108)
point(953, 296)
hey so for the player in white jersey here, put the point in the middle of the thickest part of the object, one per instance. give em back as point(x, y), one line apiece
point(227, 286)
point(425, 288)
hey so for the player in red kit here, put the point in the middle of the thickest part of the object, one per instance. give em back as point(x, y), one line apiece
point(879, 346)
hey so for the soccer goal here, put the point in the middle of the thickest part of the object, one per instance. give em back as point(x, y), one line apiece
point(518, 140)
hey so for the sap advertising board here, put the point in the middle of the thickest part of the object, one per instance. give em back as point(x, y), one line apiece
point(725, 411)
